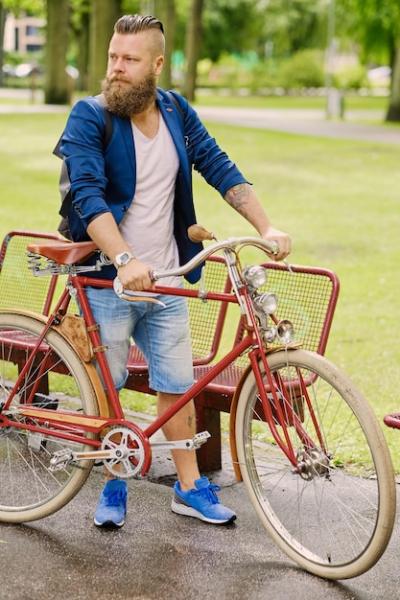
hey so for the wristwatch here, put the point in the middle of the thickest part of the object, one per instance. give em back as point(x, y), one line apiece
point(122, 259)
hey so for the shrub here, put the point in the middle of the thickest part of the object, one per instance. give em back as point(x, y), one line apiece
point(303, 70)
point(351, 78)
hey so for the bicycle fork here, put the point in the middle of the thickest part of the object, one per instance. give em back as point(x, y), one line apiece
point(311, 460)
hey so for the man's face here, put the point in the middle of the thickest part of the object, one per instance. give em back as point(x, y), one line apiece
point(132, 56)
point(133, 66)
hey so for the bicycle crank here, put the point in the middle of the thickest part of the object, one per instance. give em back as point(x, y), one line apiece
point(125, 452)
point(61, 459)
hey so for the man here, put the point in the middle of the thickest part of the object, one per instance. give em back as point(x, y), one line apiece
point(134, 199)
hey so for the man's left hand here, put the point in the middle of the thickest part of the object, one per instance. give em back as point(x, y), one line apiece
point(282, 241)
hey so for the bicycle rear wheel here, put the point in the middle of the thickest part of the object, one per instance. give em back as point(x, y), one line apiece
point(57, 380)
point(334, 517)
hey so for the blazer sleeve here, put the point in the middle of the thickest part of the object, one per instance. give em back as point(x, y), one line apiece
point(204, 153)
point(82, 147)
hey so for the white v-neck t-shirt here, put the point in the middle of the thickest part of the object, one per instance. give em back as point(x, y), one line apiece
point(148, 225)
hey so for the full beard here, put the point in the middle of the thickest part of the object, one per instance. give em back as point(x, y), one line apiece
point(129, 100)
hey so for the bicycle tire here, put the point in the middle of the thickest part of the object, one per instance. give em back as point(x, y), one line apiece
point(28, 489)
point(311, 520)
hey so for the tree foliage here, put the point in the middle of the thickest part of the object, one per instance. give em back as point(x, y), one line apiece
point(230, 26)
point(293, 25)
point(376, 26)
point(31, 7)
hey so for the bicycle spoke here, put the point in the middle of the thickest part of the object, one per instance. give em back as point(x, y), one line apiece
point(327, 508)
point(56, 380)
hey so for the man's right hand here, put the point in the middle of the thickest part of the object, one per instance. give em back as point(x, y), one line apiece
point(135, 276)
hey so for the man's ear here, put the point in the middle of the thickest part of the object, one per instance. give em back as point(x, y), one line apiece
point(158, 64)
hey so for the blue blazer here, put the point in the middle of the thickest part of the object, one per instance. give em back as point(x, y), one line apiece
point(104, 179)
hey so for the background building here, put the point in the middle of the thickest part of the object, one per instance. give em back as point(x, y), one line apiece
point(24, 34)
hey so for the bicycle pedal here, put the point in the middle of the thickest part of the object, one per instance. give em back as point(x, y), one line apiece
point(188, 444)
point(60, 460)
point(201, 438)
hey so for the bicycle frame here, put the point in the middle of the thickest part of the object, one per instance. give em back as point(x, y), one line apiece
point(69, 426)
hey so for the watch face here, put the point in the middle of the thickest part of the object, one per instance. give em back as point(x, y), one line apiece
point(123, 258)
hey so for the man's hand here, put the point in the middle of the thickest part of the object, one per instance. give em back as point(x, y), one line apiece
point(135, 276)
point(282, 241)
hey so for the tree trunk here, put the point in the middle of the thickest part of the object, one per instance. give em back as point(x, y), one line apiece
point(165, 11)
point(103, 17)
point(2, 23)
point(83, 52)
point(57, 89)
point(393, 113)
point(192, 50)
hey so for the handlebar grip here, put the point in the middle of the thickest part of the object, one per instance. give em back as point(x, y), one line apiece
point(119, 288)
point(198, 233)
point(274, 248)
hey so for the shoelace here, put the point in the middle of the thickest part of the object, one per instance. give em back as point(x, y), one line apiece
point(209, 493)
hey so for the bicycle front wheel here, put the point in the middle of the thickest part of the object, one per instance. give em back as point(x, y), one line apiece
point(56, 380)
point(334, 513)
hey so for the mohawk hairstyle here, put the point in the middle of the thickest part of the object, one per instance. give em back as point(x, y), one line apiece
point(137, 23)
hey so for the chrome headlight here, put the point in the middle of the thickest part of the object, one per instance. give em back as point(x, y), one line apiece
point(267, 302)
point(255, 275)
point(270, 334)
point(285, 332)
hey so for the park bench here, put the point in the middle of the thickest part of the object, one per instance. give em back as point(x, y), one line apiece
point(307, 296)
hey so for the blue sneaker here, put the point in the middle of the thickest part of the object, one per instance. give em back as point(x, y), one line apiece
point(111, 508)
point(201, 502)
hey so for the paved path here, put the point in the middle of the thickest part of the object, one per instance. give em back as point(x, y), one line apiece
point(305, 122)
point(158, 555)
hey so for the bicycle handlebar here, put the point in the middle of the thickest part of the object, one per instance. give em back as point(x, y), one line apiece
point(229, 244)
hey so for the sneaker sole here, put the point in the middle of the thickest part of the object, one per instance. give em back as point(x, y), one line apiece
point(109, 524)
point(188, 511)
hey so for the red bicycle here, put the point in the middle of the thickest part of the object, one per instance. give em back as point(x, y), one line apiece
point(308, 446)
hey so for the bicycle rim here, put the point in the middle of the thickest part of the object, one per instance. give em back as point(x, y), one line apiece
point(336, 517)
point(29, 490)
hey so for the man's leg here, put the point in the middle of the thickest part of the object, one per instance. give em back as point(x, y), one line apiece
point(164, 338)
point(181, 426)
point(116, 322)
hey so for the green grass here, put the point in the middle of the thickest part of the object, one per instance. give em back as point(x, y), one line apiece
point(338, 199)
point(14, 101)
point(230, 99)
point(352, 102)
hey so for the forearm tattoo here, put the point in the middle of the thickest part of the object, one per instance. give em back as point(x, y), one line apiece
point(237, 196)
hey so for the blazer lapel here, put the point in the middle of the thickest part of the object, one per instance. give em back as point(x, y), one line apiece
point(127, 135)
point(173, 121)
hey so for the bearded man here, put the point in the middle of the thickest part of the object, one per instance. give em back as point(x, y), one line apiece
point(134, 199)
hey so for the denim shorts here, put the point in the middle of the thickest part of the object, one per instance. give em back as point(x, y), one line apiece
point(161, 333)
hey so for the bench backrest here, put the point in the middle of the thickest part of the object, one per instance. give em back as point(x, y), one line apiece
point(19, 288)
